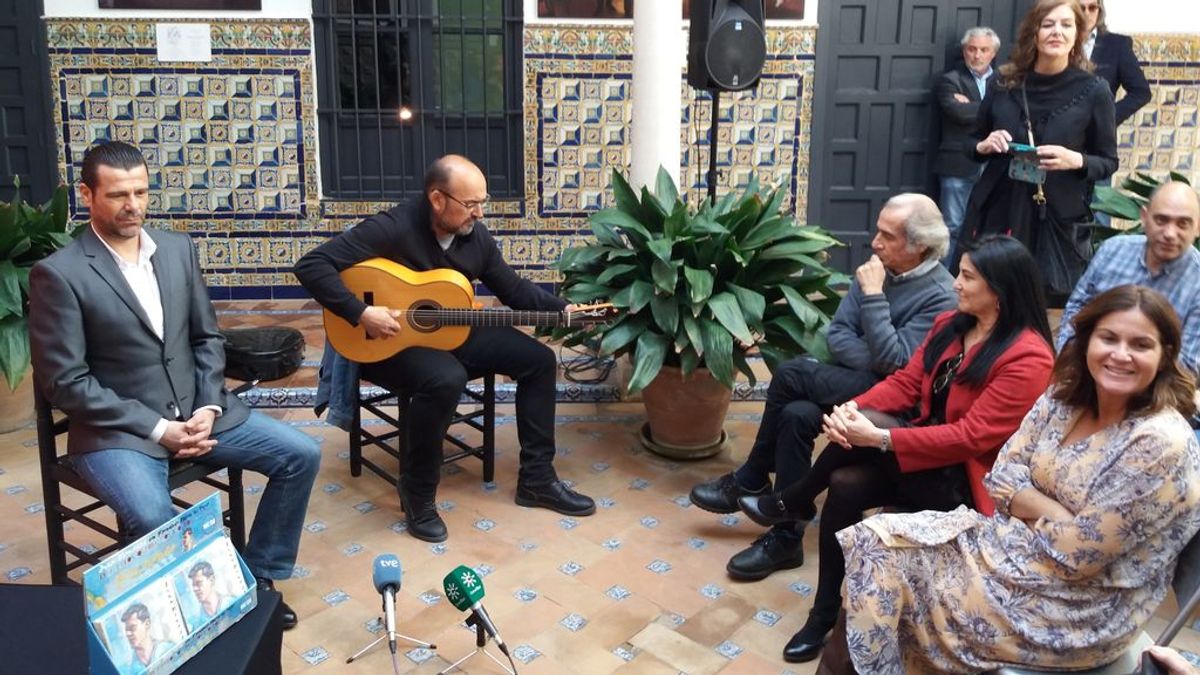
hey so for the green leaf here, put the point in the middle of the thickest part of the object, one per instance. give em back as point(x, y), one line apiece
point(743, 366)
point(725, 308)
point(816, 345)
point(11, 300)
point(626, 198)
point(752, 303)
point(665, 276)
point(666, 313)
point(613, 271)
point(605, 234)
point(661, 248)
point(665, 191)
point(718, 351)
point(689, 361)
point(622, 220)
point(647, 360)
point(640, 294)
point(622, 334)
point(700, 284)
point(804, 310)
point(14, 349)
point(578, 257)
point(586, 292)
point(692, 328)
point(767, 231)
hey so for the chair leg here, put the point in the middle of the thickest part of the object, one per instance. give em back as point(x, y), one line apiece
point(356, 440)
point(55, 536)
point(237, 510)
point(489, 428)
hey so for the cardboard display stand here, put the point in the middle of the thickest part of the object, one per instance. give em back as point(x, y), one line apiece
point(155, 603)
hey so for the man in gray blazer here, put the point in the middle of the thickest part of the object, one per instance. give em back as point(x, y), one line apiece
point(959, 93)
point(125, 342)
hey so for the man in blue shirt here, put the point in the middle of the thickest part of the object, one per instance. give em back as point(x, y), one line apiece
point(1163, 259)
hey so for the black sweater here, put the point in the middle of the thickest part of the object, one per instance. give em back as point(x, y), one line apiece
point(405, 235)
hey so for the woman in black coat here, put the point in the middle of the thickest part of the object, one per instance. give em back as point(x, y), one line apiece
point(1072, 117)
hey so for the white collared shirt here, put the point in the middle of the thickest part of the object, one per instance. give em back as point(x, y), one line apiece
point(140, 277)
point(981, 81)
point(1090, 44)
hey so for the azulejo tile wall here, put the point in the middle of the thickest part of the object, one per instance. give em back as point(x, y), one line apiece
point(1164, 136)
point(232, 143)
point(229, 143)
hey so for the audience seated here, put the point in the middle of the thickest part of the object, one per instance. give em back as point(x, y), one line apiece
point(1095, 495)
point(976, 375)
point(891, 304)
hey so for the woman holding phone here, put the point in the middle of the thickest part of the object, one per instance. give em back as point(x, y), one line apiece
point(1046, 129)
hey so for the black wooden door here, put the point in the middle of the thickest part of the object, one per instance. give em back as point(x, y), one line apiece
point(26, 136)
point(874, 117)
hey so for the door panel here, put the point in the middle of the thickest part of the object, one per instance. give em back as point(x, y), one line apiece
point(875, 121)
point(25, 132)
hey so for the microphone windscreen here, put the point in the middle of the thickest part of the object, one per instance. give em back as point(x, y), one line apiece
point(463, 587)
point(386, 572)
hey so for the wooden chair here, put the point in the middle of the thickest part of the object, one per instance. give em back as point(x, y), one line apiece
point(391, 441)
point(57, 471)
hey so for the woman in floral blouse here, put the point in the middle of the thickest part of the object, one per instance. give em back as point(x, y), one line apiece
point(1095, 496)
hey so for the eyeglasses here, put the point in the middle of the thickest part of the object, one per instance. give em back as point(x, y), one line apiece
point(1091, 9)
point(480, 204)
point(948, 374)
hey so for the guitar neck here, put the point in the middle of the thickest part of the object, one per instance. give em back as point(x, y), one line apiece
point(484, 317)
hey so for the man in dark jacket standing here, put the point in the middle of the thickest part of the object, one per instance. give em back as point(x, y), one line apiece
point(959, 93)
point(443, 229)
point(1115, 61)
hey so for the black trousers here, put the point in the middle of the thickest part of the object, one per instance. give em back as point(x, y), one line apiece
point(801, 391)
point(857, 479)
point(434, 381)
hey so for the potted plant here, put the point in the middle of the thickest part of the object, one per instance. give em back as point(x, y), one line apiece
point(696, 290)
point(27, 235)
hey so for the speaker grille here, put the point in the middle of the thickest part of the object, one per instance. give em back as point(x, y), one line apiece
point(737, 50)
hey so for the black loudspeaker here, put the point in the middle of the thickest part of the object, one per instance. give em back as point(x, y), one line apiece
point(727, 45)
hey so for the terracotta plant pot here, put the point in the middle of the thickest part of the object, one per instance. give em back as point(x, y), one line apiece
point(16, 407)
point(685, 416)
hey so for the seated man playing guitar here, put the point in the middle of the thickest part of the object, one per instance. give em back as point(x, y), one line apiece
point(443, 229)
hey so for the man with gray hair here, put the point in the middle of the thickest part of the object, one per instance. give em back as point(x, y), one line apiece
point(889, 308)
point(959, 93)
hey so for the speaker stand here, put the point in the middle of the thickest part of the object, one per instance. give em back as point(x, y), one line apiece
point(481, 639)
point(711, 177)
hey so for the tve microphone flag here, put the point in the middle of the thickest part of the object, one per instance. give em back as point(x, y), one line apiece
point(386, 577)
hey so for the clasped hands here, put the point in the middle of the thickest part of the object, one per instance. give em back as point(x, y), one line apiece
point(848, 427)
point(1050, 157)
point(190, 438)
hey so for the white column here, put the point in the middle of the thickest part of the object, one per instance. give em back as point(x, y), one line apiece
point(657, 83)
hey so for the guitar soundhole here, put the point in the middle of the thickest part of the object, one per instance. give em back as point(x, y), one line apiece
point(424, 322)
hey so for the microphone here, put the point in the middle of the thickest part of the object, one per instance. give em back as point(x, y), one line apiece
point(464, 590)
point(386, 576)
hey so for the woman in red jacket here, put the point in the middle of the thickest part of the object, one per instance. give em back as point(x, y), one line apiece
point(924, 437)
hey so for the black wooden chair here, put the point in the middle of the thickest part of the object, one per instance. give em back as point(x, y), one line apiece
point(57, 471)
point(391, 441)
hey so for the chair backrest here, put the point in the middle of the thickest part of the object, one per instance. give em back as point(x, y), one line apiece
point(1186, 583)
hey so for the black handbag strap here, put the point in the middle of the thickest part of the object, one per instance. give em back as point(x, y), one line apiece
point(1039, 196)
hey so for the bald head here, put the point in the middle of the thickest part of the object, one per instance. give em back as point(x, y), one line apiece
point(1170, 221)
point(457, 194)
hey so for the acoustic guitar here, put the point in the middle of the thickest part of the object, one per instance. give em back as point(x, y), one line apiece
point(437, 310)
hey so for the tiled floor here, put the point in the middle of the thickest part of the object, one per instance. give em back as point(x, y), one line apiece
point(639, 587)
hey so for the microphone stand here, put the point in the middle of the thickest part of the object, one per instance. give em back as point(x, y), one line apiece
point(481, 638)
point(386, 636)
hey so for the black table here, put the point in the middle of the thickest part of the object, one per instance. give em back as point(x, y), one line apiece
point(42, 630)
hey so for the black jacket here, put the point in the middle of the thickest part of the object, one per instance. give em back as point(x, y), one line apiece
point(958, 121)
point(1115, 62)
point(405, 235)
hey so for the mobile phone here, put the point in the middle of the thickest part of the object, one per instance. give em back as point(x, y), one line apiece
point(1021, 147)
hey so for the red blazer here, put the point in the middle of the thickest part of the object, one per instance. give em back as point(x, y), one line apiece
point(978, 419)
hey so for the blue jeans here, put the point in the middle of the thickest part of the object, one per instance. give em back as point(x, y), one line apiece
point(955, 193)
point(134, 485)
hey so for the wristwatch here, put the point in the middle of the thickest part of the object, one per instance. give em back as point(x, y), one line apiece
point(885, 441)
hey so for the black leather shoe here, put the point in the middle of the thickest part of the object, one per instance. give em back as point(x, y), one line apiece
point(771, 552)
point(286, 613)
point(807, 643)
point(422, 518)
point(720, 495)
point(768, 510)
point(557, 497)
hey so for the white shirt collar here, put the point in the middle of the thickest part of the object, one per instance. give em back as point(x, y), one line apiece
point(146, 248)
